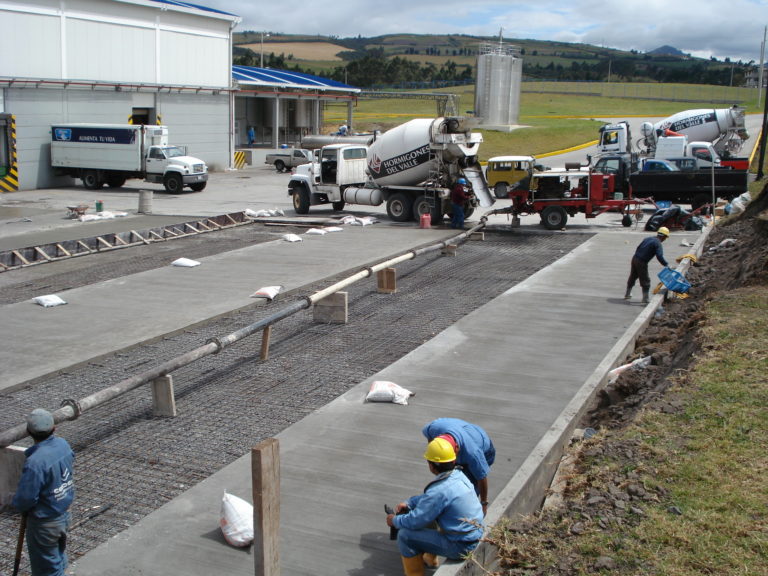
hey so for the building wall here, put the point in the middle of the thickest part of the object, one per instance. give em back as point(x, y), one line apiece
point(108, 41)
point(97, 60)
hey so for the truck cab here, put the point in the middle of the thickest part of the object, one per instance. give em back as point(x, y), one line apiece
point(323, 180)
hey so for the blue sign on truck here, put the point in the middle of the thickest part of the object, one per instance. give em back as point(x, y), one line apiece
point(94, 135)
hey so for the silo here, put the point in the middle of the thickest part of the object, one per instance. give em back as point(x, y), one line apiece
point(497, 90)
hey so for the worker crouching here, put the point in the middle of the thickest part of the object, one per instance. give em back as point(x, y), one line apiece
point(449, 502)
point(644, 253)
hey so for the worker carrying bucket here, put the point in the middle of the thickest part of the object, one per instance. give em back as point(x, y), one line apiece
point(644, 253)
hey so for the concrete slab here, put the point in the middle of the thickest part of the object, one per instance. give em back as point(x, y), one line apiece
point(117, 313)
point(515, 366)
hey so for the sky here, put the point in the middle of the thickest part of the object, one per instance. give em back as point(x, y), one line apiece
point(703, 28)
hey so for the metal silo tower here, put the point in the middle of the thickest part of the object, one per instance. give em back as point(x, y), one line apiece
point(497, 90)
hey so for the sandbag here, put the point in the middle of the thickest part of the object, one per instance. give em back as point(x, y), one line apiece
point(236, 520)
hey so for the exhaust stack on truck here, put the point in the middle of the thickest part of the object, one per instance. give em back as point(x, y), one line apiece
point(110, 154)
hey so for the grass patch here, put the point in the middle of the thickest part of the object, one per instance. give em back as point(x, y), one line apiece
point(706, 466)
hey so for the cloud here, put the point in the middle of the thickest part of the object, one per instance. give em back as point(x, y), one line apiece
point(708, 27)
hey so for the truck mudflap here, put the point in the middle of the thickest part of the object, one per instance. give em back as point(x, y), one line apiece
point(474, 174)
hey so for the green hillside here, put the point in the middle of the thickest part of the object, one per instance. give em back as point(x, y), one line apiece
point(443, 58)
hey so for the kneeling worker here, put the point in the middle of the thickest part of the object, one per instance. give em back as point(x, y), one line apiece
point(450, 501)
point(474, 449)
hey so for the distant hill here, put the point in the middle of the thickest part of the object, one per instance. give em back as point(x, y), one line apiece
point(666, 51)
point(400, 60)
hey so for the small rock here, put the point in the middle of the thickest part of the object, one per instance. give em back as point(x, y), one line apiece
point(675, 510)
point(578, 528)
point(605, 563)
point(620, 505)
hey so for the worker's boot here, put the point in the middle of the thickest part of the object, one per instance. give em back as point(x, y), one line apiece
point(413, 566)
point(628, 294)
point(645, 295)
point(430, 560)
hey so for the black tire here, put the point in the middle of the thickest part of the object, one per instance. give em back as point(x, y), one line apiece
point(279, 165)
point(338, 206)
point(400, 207)
point(468, 211)
point(198, 187)
point(422, 205)
point(91, 180)
point(115, 180)
point(301, 200)
point(626, 220)
point(173, 184)
point(501, 190)
point(554, 217)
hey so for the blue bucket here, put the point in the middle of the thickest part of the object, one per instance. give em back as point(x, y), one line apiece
point(674, 281)
point(663, 204)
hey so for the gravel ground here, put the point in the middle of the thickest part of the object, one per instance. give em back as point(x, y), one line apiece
point(133, 463)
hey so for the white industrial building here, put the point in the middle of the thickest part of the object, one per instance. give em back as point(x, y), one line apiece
point(137, 61)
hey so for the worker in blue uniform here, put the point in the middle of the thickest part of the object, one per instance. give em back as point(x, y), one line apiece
point(45, 492)
point(450, 502)
point(644, 253)
point(475, 452)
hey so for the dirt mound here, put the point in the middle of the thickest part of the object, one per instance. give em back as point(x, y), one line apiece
point(736, 254)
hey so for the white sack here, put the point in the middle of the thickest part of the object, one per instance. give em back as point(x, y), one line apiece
point(236, 520)
point(383, 391)
point(48, 300)
point(185, 263)
point(268, 292)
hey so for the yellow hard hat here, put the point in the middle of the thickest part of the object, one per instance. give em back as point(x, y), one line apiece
point(663, 231)
point(440, 450)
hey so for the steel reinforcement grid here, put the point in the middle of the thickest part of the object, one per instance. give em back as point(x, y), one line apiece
point(131, 463)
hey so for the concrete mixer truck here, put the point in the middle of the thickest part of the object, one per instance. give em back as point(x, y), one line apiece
point(411, 168)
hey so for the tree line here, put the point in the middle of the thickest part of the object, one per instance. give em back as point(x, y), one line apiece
point(373, 69)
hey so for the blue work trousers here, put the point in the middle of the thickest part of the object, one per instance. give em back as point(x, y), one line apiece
point(457, 219)
point(47, 545)
point(414, 542)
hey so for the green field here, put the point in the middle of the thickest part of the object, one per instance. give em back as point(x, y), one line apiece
point(549, 120)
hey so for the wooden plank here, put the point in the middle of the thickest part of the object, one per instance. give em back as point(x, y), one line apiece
point(140, 237)
point(20, 257)
point(265, 481)
point(266, 335)
point(104, 242)
point(62, 249)
point(42, 253)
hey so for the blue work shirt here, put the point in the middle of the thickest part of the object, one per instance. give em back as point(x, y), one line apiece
point(450, 501)
point(476, 451)
point(47, 487)
point(649, 248)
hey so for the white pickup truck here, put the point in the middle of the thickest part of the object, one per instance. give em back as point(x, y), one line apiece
point(286, 158)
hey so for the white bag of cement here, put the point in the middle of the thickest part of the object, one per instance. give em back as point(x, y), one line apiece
point(316, 231)
point(268, 292)
point(333, 229)
point(291, 238)
point(236, 520)
point(383, 391)
point(185, 263)
point(48, 300)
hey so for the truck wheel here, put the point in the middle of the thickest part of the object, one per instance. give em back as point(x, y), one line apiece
point(400, 207)
point(279, 165)
point(421, 206)
point(468, 211)
point(115, 181)
point(91, 180)
point(198, 187)
point(173, 184)
point(301, 200)
point(626, 220)
point(554, 217)
point(338, 206)
point(501, 190)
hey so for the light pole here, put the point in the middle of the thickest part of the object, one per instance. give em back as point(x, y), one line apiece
point(262, 47)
